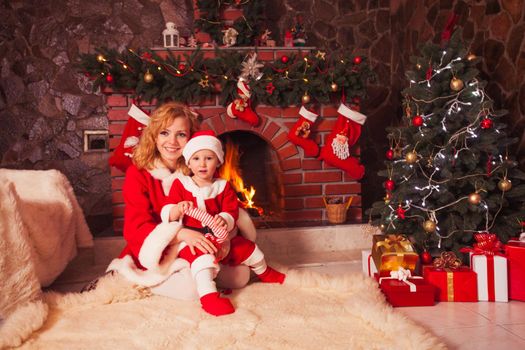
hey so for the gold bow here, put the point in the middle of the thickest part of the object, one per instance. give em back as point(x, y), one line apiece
point(303, 130)
point(240, 103)
point(398, 242)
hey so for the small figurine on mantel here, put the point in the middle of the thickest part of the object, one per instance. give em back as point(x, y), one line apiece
point(265, 37)
point(299, 35)
point(192, 42)
point(171, 35)
point(230, 37)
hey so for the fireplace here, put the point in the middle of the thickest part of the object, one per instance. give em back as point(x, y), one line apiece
point(290, 187)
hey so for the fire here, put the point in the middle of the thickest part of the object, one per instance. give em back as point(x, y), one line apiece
point(230, 171)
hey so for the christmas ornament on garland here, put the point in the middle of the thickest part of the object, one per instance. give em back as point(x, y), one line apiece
point(390, 185)
point(109, 78)
point(426, 258)
point(456, 84)
point(306, 98)
point(474, 198)
point(389, 154)
point(486, 124)
point(429, 226)
point(417, 120)
point(504, 185)
point(334, 87)
point(411, 157)
point(148, 77)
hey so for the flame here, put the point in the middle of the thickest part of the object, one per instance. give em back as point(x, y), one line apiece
point(230, 171)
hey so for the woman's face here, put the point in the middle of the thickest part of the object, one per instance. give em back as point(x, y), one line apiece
point(172, 139)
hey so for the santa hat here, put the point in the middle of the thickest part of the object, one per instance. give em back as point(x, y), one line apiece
point(203, 140)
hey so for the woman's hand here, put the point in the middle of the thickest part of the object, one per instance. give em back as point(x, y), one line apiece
point(196, 239)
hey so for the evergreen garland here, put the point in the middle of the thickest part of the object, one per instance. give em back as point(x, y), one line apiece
point(248, 25)
point(284, 82)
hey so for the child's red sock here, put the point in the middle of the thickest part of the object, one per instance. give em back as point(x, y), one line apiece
point(272, 276)
point(213, 304)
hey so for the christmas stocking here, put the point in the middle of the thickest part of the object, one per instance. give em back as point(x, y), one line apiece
point(121, 157)
point(346, 132)
point(241, 107)
point(299, 134)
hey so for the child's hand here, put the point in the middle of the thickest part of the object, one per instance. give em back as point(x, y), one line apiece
point(183, 206)
point(220, 222)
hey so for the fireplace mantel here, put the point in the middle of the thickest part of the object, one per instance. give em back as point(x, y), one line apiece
point(306, 181)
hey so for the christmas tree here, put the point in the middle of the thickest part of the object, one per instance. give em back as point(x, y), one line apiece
point(449, 172)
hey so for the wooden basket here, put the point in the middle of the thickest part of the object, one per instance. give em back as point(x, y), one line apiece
point(336, 213)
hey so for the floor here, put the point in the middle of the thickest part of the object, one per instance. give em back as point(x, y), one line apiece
point(462, 326)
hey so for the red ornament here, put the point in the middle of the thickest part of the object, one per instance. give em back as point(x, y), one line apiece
point(390, 154)
point(284, 59)
point(389, 185)
point(400, 212)
point(109, 78)
point(426, 258)
point(417, 120)
point(357, 59)
point(182, 66)
point(270, 88)
point(486, 124)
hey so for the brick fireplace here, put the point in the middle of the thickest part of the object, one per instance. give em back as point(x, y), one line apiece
point(301, 182)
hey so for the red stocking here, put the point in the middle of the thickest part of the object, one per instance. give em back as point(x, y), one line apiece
point(346, 132)
point(121, 157)
point(241, 107)
point(299, 134)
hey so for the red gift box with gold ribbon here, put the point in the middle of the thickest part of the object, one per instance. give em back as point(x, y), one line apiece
point(403, 289)
point(515, 251)
point(453, 282)
point(390, 252)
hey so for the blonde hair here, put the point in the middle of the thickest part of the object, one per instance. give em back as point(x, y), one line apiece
point(146, 153)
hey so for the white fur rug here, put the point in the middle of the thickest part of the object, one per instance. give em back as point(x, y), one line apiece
point(310, 311)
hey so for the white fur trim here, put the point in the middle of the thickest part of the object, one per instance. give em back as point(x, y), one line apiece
point(201, 142)
point(309, 115)
point(256, 257)
point(153, 246)
point(138, 115)
point(351, 114)
point(243, 86)
point(206, 261)
point(167, 182)
point(229, 111)
point(127, 268)
point(229, 220)
point(203, 193)
point(165, 212)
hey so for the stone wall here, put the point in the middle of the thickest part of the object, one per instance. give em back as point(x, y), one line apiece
point(45, 104)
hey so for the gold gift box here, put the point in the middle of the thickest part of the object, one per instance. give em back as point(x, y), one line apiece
point(390, 252)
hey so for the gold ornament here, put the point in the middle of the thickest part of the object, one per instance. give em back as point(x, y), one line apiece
point(411, 157)
point(101, 58)
point(334, 87)
point(387, 197)
point(305, 98)
point(471, 57)
point(382, 227)
point(456, 84)
point(505, 185)
point(148, 77)
point(418, 66)
point(474, 198)
point(429, 226)
point(204, 83)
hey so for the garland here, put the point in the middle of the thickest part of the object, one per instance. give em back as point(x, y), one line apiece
point(248, 24)
point(320, 76)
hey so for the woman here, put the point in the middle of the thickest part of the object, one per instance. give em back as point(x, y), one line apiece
point(149, 257)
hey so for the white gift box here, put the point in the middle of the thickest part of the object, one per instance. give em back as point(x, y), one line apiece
point(492, 277)
point(369, 267)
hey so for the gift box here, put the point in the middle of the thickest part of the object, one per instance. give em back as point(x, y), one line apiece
point(492, 277)
point(458, 284)
point(390, 252)
point(515, 251)
point(414, 291)
point(369, 267)
point(487, 260)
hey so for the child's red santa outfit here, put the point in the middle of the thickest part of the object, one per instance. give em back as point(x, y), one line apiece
point(217, 199)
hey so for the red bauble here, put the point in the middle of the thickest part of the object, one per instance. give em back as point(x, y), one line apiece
point(357, 59)
point(417, 120)
point(486, 124)
point(390, 185)
point(109, 78)
point(390, 154)
point(182, 66)
point(426, 258)
point(284, 59)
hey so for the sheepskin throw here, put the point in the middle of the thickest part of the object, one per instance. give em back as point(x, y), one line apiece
point(309, 311)
point(41, 226)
